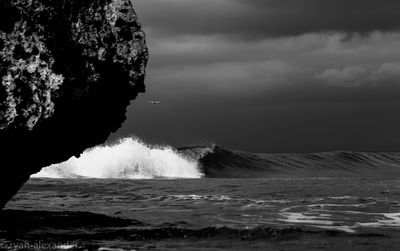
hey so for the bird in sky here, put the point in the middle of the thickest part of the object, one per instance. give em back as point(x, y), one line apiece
point(156, 102)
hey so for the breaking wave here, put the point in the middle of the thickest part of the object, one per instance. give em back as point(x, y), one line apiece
point(129, 158)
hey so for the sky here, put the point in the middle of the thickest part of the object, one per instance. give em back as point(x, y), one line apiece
point(270, 75)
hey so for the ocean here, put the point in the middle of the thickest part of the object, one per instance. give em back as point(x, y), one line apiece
point(131, 196)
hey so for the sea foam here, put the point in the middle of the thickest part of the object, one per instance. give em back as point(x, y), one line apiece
point(129, 158)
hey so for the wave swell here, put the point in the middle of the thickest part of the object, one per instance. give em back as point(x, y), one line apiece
point(223, 163)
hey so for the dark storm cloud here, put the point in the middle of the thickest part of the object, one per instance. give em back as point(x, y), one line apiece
point(269, 18)
point(271, 75)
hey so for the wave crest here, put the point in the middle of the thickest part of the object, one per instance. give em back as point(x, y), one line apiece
point(129, 158)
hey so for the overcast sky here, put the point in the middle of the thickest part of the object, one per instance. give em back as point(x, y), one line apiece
point(271, 75)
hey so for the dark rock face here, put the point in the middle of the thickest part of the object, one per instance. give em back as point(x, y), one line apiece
point(68, 70)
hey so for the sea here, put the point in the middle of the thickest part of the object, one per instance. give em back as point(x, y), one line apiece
point(133, 196)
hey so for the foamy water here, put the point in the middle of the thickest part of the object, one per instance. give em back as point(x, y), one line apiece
point(129, 158)
point(174, 214)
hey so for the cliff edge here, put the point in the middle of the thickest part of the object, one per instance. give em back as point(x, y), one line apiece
point(68, 70)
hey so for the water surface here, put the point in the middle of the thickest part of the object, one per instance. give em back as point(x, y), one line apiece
point(209, 214)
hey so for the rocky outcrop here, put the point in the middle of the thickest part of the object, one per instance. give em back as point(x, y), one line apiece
point(68, 70)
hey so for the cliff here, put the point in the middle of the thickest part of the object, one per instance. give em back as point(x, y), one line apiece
point(68, 70)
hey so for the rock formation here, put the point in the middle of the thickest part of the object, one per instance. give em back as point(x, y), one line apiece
point(68, 70)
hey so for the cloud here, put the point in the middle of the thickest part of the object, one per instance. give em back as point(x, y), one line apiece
point(260, 19)
point(194, 43)
point(356, 76)
point(350, 76)
point(245, 48)
point(223, 78)
point(388, 72)
point(221, 66)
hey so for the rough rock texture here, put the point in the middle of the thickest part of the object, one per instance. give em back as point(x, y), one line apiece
point(68, 70)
